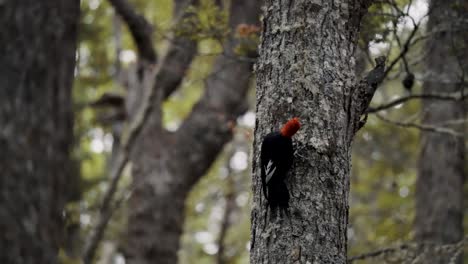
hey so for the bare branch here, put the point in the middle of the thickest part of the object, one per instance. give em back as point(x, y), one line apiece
point(179, 56)
point(456, 248)
point(379, 252)
point(404, 49)
point(175, 64)
point(365, 89)
point(436, 96)
point(205, 131)
point(424, 127)
point(140, 29)
point(361, 96)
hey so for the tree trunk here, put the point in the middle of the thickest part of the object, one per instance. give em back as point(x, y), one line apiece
point(439, 185)
point(306, 70)
point(165, 166)
point(37, 58)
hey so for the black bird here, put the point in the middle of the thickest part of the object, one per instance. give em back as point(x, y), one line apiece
point(276, 156)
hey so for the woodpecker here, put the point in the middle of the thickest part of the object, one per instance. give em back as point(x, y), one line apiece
point(276, 157)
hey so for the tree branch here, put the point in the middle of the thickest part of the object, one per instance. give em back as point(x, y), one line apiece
point(447, 248)
point(179, 56)
point(436, 96)
point(140, 29)
point(405, 48)
point(383, 251)
point(424, 127)
point(209, 126)
point(365, 89)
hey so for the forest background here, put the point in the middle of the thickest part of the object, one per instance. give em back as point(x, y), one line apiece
point(113, 61)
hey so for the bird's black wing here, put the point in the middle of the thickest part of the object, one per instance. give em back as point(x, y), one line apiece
point(264, 158)
point(289, 156)
point(268, 158)
point(276, 160)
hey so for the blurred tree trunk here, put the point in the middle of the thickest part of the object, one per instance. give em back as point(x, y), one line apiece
point(439, 185)
point(306, 69)
point(37, 59)
point(166, 165)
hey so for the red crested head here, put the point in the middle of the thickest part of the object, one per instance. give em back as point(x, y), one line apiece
point(291, 127)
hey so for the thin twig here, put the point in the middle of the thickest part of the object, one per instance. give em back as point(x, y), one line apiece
point(434, 96)
point(458, 246)
point(404, 50)
point(424, 127)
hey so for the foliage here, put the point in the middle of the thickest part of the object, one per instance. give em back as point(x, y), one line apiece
point(248, 40)
point(205, 21)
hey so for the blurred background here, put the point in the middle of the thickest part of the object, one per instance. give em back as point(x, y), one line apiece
point(196, 42)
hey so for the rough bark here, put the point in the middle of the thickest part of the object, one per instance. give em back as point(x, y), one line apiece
point(441, 175)
point(306, 69)
point(165, 166)
point(37, 58)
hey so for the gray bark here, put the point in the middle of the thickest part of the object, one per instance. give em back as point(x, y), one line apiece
point(441, 175)
point(37, 58)
point(165, 166)
point(306, 69)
